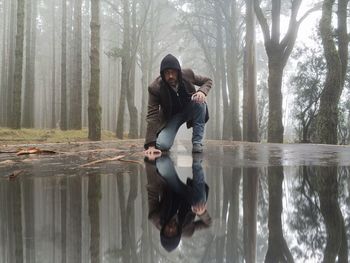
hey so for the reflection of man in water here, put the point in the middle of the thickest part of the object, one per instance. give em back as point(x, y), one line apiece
point(173, 205)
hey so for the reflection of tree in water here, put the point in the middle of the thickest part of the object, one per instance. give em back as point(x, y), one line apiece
point(306, 219)
point(262, 215)
point(278, 250)
point(94, 197)
point(318, 219)
point(127, 213)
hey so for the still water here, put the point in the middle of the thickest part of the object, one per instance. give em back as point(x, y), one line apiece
point(236, 202)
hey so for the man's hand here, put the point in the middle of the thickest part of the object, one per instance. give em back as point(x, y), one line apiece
point(152, 153)
point(199, 208)
point(198, 97)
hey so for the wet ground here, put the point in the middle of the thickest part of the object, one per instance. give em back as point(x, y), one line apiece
point(102, 202)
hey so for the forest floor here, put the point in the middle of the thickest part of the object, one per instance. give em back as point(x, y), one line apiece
point(22, 136)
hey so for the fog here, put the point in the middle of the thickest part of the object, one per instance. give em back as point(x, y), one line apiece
point(207, 36)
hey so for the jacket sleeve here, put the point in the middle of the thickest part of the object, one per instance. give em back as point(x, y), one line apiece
point(203, 82)
point(152, 118)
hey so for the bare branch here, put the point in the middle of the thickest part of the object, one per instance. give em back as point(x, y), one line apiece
point(262, 21)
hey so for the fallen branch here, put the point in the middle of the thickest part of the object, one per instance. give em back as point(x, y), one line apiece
point(35, 151)
point(13, 175)
point(103, 160)
point(131, 161)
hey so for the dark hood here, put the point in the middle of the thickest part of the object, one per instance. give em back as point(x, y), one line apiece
point(170, 62)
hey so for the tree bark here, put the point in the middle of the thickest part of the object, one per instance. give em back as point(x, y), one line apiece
point(63, 118)
point(75, 122)
point(94, 109)
point(232, 42)
point(4, 71)
point(326, 184)
point(28, 98)
point(250, 121)
point(277, 250)
point(250, 204)
point(94, 197)
point(11, 64)
point(53, 72)
point(133, 124)
point(125, 85)
point(17, 89)
point(327, 119)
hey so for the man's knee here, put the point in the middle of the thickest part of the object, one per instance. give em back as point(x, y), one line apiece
point(163, 145)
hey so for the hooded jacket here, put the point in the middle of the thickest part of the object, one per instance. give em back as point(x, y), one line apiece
point(162, 101)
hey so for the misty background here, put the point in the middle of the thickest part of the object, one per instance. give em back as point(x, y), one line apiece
point(208, 36)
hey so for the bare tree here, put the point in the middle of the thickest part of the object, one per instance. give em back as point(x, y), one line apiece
point(278, 51)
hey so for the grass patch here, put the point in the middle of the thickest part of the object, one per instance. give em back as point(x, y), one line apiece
point(10, 136)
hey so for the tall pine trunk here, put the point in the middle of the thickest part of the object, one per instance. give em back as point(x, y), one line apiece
point(94, 108)
point(250, 122)
point(75, 115)
point(133, 127)
point(17, 89)
point(28, 98)
point(3, 74)
point(125, 84)
point(53, 72)
point(63, 117)
point(11, 63)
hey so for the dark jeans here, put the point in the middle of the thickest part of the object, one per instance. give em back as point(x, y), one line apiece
point(193, 111)
point(194, 193)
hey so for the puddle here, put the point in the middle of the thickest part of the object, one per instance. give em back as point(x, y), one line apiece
point(234, 201)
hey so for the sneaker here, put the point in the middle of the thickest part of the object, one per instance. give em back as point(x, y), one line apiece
point(197, 148)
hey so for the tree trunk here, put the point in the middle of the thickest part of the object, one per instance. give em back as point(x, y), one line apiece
point(275, 125)
point(125, 85)
point(75, 122)
point(232, 42)
point(277, 250)
point(94, 197)
point(28, 98)
point(11, 64)
point(327, 119)
point(326, 184)
point(4, 71)
point(250, 204)
point(250, 122)
point(17, 89)
point(94, 109)
point(63, 118)
point(53, 74)
point(217, 81)
point(16, 193)
point(278, 51)
point(63, 194)
point(133, 127)
point(144, 62)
